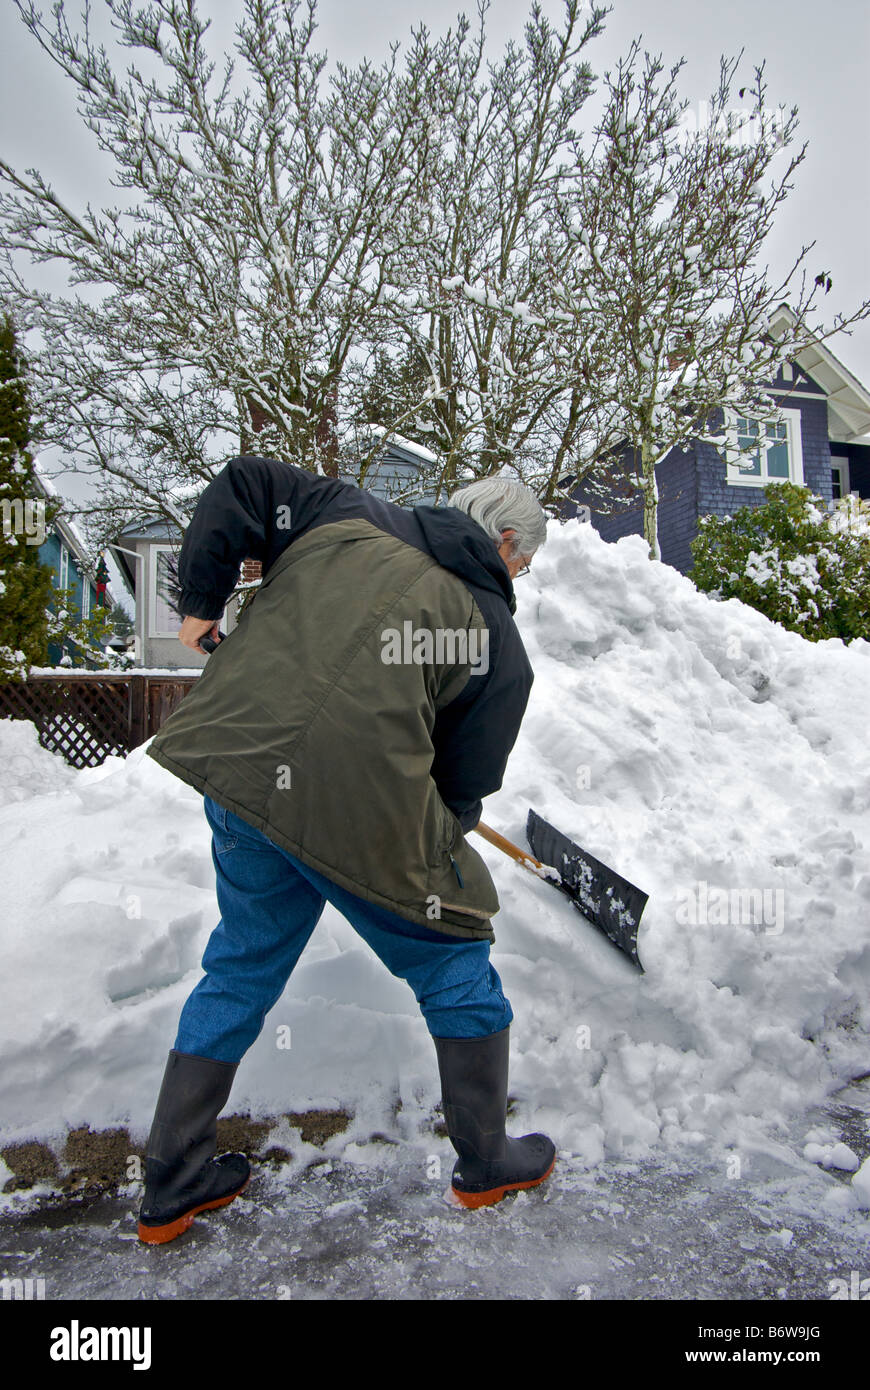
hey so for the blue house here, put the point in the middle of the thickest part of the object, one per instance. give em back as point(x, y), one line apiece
point(65, 551)
point(820, 444)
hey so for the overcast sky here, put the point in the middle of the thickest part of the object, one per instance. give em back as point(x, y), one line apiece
point(816, 58)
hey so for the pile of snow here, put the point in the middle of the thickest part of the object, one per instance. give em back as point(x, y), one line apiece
point(26, 768)
point(697, 748)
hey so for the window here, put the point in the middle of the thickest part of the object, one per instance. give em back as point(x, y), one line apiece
point(165, 622)
point(64, 568)
point(839, 477)
point(86, 597)
point(766, 453)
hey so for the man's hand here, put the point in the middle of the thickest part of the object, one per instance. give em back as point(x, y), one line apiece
point(192, 629)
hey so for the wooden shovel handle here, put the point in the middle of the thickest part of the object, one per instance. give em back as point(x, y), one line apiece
point(522, 856)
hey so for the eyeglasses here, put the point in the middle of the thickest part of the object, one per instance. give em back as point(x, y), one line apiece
point(525, 569)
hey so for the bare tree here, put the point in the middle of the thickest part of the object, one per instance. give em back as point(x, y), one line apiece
point(428, 246)
point(669, 226)
point(508, 385)
point(224, 299)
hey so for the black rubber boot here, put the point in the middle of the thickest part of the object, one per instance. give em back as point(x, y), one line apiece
point(474, 1077)
point(182, 1175)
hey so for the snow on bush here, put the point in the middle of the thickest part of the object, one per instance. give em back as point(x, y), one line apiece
point(801, 567)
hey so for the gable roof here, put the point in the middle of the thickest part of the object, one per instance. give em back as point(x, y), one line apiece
point(155, 528)
point(848, 400)
point(401, 450)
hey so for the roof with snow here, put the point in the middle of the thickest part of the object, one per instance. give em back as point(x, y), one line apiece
point(397, 445)
point(72, 537)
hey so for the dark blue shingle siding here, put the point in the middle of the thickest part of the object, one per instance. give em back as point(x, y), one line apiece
point(693, 482)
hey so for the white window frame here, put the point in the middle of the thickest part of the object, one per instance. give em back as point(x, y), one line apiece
point(63, 568)
point(841, 463)
point(737, 477)
point(86, 597)
point(153, 630)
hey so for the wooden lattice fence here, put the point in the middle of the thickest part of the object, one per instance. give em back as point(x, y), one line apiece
point(88, 715)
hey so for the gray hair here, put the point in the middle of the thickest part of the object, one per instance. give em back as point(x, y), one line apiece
point(499, 504)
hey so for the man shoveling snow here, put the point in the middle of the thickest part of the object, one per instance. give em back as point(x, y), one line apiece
point(343, 736)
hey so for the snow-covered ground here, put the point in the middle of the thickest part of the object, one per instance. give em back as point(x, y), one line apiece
point(700, 750)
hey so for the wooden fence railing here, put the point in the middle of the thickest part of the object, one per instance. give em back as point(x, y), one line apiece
point(88, 715)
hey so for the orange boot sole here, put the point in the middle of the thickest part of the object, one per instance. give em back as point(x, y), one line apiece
point(159, 1235)
point(473, 1200)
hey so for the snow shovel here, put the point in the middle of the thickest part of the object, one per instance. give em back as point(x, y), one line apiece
point(603, 897)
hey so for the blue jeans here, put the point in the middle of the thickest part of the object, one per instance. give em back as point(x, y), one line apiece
point(270, 904)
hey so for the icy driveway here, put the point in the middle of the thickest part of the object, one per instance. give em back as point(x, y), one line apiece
point(651, 1230)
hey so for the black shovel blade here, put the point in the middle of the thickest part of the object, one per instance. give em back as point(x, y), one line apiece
point(604, 898)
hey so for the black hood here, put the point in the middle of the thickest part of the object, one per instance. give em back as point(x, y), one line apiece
point(461, 545)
